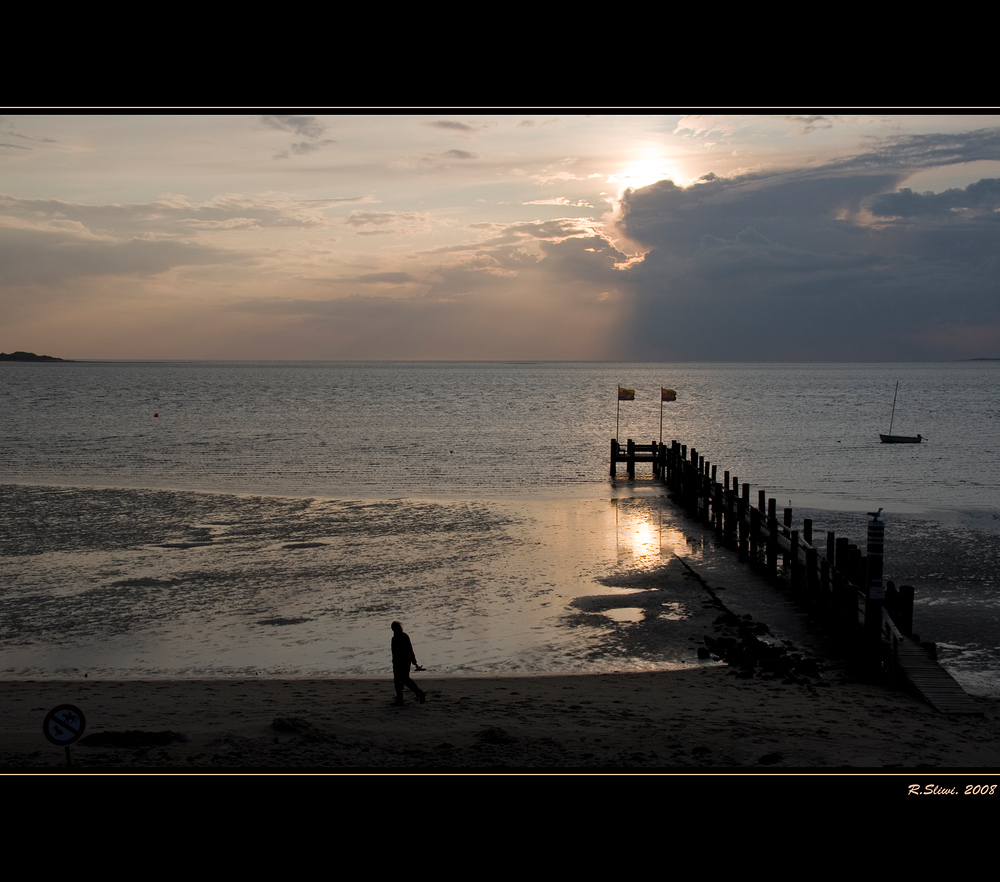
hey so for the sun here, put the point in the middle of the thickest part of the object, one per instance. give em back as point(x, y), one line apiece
point(642, 173)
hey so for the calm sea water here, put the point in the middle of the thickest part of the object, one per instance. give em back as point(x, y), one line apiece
point(445, 474)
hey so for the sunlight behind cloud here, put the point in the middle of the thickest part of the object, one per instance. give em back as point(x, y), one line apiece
point(582, 236)
point(642, 173)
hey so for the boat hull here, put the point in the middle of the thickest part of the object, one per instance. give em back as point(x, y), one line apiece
point(901, 439)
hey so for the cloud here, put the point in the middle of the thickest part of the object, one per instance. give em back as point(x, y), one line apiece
point(499, 303)
point(304, 148)
point(980, 201)
point(387, 278)
point(171, 216)
point(926, 151)
point(49, 241)
point(457, 128)
point(827, 263)
point(50, 257)
point(304, 126)
point(386, 223)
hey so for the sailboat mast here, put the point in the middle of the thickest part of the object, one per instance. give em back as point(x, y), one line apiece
point(894, 394)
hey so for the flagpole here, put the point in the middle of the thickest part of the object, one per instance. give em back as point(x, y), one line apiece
point(618, 411)
point(665, 395)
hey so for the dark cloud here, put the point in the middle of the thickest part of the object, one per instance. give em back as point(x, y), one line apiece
point(829, 263)
point(590, 258)
point(981, 199)
point(926, 151)
point(460, 154)
point(303, 148)
point(813, 122)
point(304, 126)
point(450, 126)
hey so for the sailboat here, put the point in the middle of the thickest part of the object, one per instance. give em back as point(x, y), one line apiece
point(898, 439)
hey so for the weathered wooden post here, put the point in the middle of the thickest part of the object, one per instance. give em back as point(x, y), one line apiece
point(841, 593)
point(742, 506)
point(691, 481)
point(875, 592)
point(729, 536)
point(812, 576)
point(793, 559)
point(838, 618)
point(630, 453)
point(905, 622)
point(787, 521)
point(826, 585)
point(772, 539)
point(614, 457)
point(840, 558)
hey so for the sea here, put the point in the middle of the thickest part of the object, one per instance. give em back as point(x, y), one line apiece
point(216, 519)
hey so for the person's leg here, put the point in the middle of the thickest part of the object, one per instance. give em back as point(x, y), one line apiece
point(416, 689)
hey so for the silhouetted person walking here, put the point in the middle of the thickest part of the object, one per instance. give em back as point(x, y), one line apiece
point(402, 655)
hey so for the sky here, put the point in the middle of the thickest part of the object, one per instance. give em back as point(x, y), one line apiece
point(531, 235)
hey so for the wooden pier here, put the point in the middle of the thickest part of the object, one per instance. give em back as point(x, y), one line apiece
point(633, 453)
point(835, 579)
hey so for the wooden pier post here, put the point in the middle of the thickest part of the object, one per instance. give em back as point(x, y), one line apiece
point(874, 590)
point(812, 576)
point(842, 586)
point(795, 569)
point(772, 539)
point(787, 520)
point(731, 520)
point(742, 506)
point(905, 623)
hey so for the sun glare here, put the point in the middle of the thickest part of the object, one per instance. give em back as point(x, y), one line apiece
point(643, 173)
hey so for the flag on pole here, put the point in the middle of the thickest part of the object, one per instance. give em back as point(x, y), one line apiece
point(626, 394)
point(667, 394)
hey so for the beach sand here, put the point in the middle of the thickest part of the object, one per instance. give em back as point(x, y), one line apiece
point(791, 706)
point(696, 720)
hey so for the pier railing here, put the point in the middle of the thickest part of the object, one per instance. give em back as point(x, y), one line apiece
point(840, 584)
point(632, 453)
point(834, 579)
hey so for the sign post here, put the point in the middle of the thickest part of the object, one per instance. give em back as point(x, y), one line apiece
point(64, 725)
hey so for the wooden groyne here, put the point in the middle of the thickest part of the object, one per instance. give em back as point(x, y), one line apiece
point(838, 582)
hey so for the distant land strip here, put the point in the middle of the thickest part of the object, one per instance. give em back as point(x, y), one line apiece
point(27, 356)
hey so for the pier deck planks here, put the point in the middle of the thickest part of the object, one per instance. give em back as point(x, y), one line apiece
point(933, 682)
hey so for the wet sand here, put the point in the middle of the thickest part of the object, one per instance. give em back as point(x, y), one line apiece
point(706, 719)
point(785, 703)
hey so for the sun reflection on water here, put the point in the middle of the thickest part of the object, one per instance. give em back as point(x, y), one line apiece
point(643, 537)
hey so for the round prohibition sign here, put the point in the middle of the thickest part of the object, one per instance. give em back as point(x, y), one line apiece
point(64, 724)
